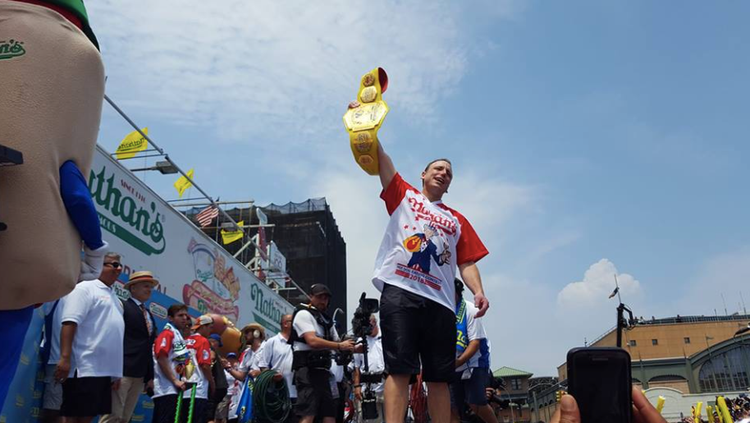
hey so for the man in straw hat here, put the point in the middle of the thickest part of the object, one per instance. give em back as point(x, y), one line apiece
point(140, 333)
point(253, 336)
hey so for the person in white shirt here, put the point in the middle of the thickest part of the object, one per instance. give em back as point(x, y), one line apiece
point(171, 356)
point(254, 335)
point(472, 363)
point(313, 338)
point(425, 243)
point(375, 369)
point(277, 355)
point(202, 378)
point(234, 387)
point(91, 346)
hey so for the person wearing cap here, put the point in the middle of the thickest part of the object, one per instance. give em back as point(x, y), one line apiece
point(200, 350)
point(140, 333)
point(313, 338)
point(217, 369)
point(90, 364)
point(235, 386)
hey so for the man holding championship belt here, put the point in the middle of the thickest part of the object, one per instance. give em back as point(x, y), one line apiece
point(424, 243)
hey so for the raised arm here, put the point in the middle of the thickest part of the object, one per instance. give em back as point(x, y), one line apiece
point(385, 167)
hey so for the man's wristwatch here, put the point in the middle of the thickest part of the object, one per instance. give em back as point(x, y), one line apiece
point(362, 122)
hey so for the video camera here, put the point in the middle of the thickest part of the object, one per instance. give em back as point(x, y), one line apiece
point(361, 321)
point(495, 384)
point(362, 328)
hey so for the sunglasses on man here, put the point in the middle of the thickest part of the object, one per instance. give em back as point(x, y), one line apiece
point(114, 264)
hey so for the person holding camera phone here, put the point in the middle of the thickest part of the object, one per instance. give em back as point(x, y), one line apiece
point(376, 367)
point(643, 411)
point(424, 243)
point(313, 338)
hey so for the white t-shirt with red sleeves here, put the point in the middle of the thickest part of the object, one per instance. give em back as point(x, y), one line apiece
point(170, 344)
point(200, 351)
point(423, 244)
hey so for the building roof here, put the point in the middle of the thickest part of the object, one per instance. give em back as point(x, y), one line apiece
point(506, 371)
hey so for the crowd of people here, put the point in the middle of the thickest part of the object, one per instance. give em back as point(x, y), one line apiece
point(103, 352)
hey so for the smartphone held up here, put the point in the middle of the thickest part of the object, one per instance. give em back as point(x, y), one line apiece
point(599, 379)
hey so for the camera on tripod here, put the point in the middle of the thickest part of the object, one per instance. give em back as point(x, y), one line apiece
point(362, 328)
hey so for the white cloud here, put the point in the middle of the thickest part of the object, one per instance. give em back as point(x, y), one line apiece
point(279, 69)
point(598, 282)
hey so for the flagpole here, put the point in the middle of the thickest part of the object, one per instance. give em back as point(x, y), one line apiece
point(617, 288)
point(621, 309)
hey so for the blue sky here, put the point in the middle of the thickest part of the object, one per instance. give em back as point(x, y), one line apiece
point(588, 138)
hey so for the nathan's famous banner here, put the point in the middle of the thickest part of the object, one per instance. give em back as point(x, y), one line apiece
point(190, 266)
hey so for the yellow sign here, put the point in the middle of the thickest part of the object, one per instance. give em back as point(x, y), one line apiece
point(228, 237)
point(184, 183)
point(133, 143)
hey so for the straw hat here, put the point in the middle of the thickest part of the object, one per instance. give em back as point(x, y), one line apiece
point(141, 276)
point(254, 327)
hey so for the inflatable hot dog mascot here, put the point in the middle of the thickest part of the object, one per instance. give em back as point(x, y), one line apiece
point(363, 121)
point(52, 88)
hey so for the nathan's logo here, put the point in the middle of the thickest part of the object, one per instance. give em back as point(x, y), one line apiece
point(134, 224)
point(10, 49)
point(267, 312)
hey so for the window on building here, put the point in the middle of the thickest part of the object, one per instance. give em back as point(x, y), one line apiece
point(632, 343)
point(654, 342)
point(687, 340)
point(726, 371)
point(515, 384)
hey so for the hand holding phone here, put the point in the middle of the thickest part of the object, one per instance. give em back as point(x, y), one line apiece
point(643, 411)
point(599, 379)
point(601, 391)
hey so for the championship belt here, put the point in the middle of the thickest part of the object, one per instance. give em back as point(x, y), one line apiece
point(363, 121)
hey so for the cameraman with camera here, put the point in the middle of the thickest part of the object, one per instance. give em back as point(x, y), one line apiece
point(313, 338)
point(370, 380)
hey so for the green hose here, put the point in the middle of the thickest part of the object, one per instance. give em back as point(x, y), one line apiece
point(271, 402)
point(179, 407)
point(192, 404)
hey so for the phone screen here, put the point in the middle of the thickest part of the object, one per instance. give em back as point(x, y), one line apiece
point(599, 380)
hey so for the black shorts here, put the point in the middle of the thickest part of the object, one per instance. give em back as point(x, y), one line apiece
point(417, 329)
point(199, 410)
point(164, 408)
point(470, 391)
point(87, 396)
point(314, 393)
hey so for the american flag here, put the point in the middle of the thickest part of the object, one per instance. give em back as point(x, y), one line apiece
point(207, 215)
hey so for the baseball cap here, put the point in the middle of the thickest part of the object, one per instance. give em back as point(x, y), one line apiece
point(216, 338)
point(203, 320)
point(319, 289)
point(232, 355)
